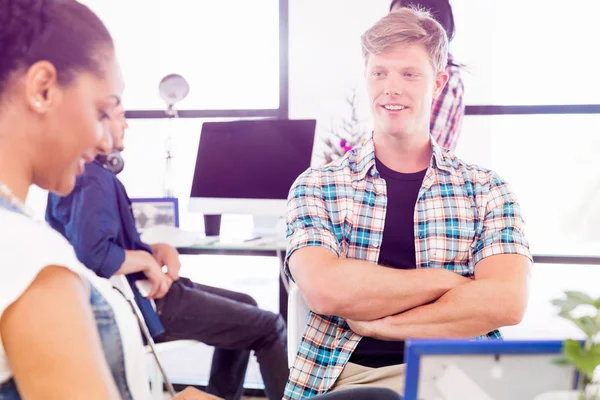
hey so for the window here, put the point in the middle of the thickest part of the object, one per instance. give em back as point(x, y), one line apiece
point(551, 163)
point(536, 53)
point(533, 52)
point(549, 282)
point(227, 50)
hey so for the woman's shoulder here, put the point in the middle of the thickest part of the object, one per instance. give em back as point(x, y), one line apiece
point(27, 247)
point(19, 232)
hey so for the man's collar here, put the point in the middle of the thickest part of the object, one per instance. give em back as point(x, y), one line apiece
point(364, 160)
point(440, 158)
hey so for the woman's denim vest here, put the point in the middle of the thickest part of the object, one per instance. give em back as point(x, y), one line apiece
point(109, 336)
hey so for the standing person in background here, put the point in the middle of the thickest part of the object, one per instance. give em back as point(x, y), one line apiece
point(448, 108)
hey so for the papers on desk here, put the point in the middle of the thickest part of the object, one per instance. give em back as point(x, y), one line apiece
point(174, 236)
point(263, 241)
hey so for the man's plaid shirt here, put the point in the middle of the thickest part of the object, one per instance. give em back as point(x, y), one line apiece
point(463, 214)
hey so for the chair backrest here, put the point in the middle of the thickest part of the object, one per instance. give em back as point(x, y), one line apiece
point(297, 316)
point(120, 282)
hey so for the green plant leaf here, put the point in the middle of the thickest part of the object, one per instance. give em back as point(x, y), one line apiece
point(586, 323)
point(597, 303)
point(585, 360)
point(561, 360)
point(590, 325)
point(571, 346)
point(565, 305)
point(567, 316)
point(580, 297)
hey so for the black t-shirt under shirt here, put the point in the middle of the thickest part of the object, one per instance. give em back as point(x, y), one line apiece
point(397, 251)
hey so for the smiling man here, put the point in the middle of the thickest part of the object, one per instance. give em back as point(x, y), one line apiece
point(400, 239)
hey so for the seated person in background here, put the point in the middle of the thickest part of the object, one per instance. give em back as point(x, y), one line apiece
point(400, 239)
point(448, 109)
point(96, 219)
point(64, 332)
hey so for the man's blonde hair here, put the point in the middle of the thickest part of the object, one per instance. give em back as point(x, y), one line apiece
point(408, 26)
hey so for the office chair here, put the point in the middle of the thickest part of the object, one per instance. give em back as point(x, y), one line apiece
point(297, 316)
point(158, 374)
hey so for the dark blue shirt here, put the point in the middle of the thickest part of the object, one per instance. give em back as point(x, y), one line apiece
point(397, 251)
point(96, 218)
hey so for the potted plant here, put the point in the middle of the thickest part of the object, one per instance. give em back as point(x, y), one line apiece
point(585, 357)
point(347, 134)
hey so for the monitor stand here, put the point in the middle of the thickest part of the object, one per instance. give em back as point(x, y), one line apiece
point(267, 226)
point(212, 224)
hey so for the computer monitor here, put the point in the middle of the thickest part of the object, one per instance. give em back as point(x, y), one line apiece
point(248, 167)
point(484, 369)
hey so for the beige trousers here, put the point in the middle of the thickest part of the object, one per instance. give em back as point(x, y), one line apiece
point(355, 376)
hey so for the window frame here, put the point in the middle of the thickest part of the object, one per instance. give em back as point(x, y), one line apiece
point(282, 112)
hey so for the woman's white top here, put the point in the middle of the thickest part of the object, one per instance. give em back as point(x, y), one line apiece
point(26, 247)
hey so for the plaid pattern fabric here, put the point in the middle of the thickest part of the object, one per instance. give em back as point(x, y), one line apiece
point(463, 214)
point(448, 110)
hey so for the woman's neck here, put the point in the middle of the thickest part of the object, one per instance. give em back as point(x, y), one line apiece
point(15, 172)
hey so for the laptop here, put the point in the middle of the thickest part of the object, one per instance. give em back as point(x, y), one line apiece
point(484, 369)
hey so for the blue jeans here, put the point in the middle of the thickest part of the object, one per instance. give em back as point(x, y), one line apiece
point(111, 343)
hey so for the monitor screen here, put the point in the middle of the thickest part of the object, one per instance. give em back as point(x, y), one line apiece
point(151, 212)
point(255, 159)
